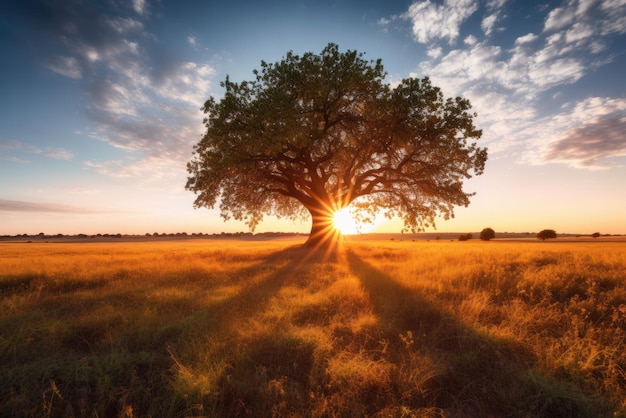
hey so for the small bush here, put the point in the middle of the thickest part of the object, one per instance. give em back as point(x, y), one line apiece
point(546, 234)
point(487, 234)
point(465, 237)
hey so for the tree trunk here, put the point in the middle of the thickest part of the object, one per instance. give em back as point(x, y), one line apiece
point(324, 236)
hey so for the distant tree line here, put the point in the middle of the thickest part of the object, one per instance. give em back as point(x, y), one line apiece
point(485, 235)
point(41, 235)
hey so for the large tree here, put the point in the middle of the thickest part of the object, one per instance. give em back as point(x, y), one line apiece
point(312, 134)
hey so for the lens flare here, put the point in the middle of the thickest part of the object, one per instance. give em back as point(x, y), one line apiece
point(345, 222)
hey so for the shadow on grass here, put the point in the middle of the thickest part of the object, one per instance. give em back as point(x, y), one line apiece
point(101, 349)
point(106, 365)
point(481, 374)
point(268, 372)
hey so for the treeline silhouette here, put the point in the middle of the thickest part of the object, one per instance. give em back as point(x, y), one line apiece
point(41, 235)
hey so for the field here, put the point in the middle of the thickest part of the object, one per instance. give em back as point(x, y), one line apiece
point(222, 328)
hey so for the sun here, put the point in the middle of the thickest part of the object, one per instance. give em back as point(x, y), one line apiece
point(345, 222)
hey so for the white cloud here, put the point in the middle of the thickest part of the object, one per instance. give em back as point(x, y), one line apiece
point(59, 153)
point(434, 52)
point(496, 4)
point(592, 145)
point(507, 86)
point(117, 98)
point(113, 168)
point(157, 172)
point(140, 6)
point(587, 134)
point(488, 23)
point(21, 206)
point(125, 25)
point(470, 40)
point(11, 144)
point(617, 10)
point(188, 82)
point(530, 68)
point(559, 18)
point(66, 66)
point(578, 32)
point(544, 74)
point(55, 153)
point(432, 21)
point(602, 16)
point(12, 159)
point(384, 22)
point(526, 39)
point(142, 99)
point(461, 68)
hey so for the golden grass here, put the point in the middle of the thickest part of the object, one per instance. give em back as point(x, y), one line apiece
point(244, 328)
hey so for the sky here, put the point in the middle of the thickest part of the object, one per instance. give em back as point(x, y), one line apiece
point(100, 103)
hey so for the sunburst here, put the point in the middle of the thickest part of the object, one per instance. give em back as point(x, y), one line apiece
point(345, 222)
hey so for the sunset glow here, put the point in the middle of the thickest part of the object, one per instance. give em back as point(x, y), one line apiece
point(100, 118)
point(345, 222)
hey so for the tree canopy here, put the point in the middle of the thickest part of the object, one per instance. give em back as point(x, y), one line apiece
point(311, 134)
point(545, 234)
point(487, 234)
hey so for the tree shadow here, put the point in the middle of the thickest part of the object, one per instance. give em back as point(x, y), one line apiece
point(268, 372)
point(130, 354)
point(480, 374)
point(257, 283)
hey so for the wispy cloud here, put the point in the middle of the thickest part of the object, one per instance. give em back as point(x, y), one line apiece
point(59, 153)
point(20, 206)
point(508, 84)
point(150, 172)
point(140, 6)
point(17, 147)
point(66, 66)
point(597, 135)
point(433, 21)
point(10, 144)
point(142, 97)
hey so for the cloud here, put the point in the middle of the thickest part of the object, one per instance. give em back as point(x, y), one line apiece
point(560, 17)
point(12, 159)
point(462, 68)
point(66, 66)
point(508, 84)
point(11, 144)
point(596, 136)
point(15, 146)
point(59, 153)
point(591, 145)
point(434, 52)
point(152, 172)
point(432, 21)
point(494, 14)
point(140, 6)
point(488, 23)
point(384, 22)
point(20, 206)
point(526, 39)
point(187, 82)
point(142, 97)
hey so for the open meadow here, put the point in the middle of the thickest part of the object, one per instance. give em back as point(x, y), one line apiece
point(222, 328)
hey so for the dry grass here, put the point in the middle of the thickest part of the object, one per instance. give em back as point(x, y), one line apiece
point(389, 329)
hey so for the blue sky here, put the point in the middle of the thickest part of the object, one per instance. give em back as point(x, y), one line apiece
point(100, 103)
